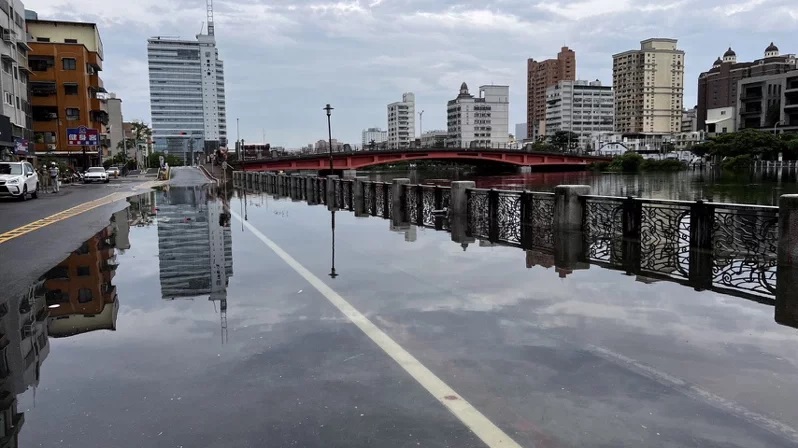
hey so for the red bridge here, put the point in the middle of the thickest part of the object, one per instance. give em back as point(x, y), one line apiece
point(362, 159)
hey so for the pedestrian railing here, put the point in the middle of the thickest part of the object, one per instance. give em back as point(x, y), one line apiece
point(728, 248)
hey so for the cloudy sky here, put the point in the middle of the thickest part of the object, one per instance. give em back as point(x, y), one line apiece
point(285, 59)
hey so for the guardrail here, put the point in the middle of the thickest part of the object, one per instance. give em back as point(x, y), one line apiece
point(732, 249)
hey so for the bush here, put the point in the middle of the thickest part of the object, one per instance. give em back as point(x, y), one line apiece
point(737, 163)
point(599, 166)
point(663, 165)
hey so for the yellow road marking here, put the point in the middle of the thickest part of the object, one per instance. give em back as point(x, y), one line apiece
point(71, 212)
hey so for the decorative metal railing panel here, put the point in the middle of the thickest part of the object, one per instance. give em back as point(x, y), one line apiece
point(665, 238)
point(602, 228)
point(368, 197)
point(336, 184)
point(411, 204)
point(379, 197)
point(478, 213)
point(744, 248)
point(348, 196)
point(538, 221)
point(388, 197)
point(508, 216)
point(428, 205)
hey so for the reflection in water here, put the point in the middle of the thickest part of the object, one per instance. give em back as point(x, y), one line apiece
point(74, 297)
point(332, 274)
point(194, 245)
point(80, 294)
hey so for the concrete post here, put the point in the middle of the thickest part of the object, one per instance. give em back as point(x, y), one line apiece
point(569, 252)
point(787, 270)
point(568, 207)
point(331, 192)
point(396, 200)
point(349, 174)
point(458, 204)
point(524, 169)
point(359, 196)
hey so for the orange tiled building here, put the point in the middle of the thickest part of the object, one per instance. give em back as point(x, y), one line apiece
point(66, 90)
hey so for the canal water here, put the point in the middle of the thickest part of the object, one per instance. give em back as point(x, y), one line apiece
point(212, 318)
point(762, 188)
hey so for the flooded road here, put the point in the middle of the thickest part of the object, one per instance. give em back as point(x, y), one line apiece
point(181, 324)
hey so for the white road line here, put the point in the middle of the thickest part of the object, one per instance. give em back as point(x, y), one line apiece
point(463, 410)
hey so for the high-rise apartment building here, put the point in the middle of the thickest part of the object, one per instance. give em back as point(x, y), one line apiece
point(402, 122)
point(717, 87)
point(582, 107)
point(66, 90)
point(481, 122)
point(375, 135)
point(15, 122)
point(187, 99)
point(649, 88)
point(541, 76)
point(116, 131)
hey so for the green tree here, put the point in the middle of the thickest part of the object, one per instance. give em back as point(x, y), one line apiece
point(750, 142)
point(541, 146)
point(564, 140)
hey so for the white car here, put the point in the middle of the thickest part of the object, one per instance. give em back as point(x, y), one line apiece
point(95, 174)
point(18, 179)
point(113, 171)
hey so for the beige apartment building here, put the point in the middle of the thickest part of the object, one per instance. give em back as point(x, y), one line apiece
point(649, 88)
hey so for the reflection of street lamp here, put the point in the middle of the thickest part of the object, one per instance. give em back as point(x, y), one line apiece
point(329, 110)
point(332, 228)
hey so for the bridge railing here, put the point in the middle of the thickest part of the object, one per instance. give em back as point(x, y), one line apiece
point(728, 248)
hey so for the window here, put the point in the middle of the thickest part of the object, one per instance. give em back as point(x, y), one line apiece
point(724, 130)
point(70, 41)
point(42, 39)
point(84, 271)
point(69, 63)
point(8, 98)
point(70, 89)
point(84, 295)
point(7, 66)
point(72, 113)
point(18, 105)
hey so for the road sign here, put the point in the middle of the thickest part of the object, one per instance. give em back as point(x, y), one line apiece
point(83, 136)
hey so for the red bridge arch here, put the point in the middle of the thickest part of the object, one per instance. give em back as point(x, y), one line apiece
point(362, 159)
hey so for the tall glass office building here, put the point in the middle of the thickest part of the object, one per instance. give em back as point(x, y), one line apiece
point(187, 98)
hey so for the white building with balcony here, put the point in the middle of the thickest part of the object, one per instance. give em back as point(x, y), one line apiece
point(14, 81)
point(479, 122)
point(402, 122)
point(582, 107)
point(375, 135)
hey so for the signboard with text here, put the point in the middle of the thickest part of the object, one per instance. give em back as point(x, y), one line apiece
point(83, 136)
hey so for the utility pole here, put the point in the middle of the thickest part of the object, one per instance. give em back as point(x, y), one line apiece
point(420, 124)
point(238, 141)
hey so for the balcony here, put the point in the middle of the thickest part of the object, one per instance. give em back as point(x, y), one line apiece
point(751, 111)
point(99, 116)
point(44, 113)
point(43, 88)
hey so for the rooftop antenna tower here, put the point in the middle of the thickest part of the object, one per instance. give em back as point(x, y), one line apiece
point(210, 17)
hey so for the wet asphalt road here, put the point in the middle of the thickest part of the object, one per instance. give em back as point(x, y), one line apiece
point(595, 359)
point(24, 259)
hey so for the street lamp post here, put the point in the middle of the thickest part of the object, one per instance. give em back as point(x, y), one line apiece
point(329, 110)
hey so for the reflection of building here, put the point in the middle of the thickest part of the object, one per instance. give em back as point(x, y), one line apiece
point(23, 338)
point(194, 244)
point(79, 289)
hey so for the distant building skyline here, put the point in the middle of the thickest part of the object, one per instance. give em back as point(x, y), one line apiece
point(479, 121)
point(402, 122)
point(540, 76)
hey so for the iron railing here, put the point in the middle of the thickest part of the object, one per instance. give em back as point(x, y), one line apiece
point(729, 248)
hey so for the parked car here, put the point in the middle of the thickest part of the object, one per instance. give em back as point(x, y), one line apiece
point(18, 179)
point(113, 171)
point(95, 174)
